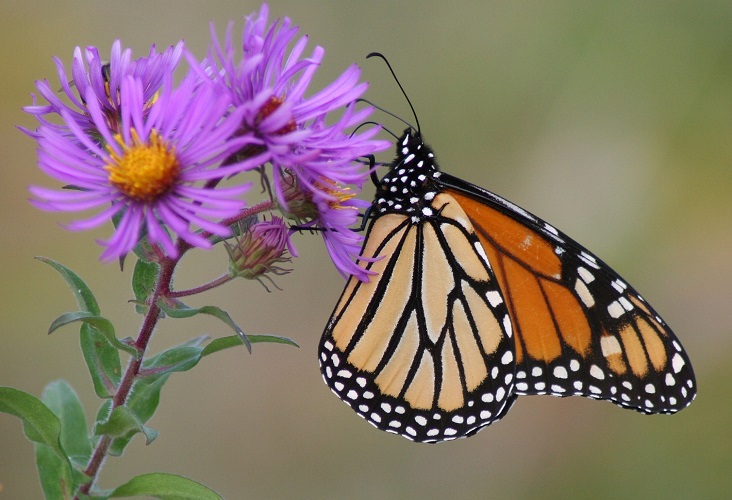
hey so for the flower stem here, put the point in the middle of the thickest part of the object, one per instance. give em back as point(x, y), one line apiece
point(162, 289)
point(132, 372)
point(224, 278)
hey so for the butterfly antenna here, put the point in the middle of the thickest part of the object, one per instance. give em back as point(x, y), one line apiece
point(377, 124)
point(380, 55)
point(405, 122)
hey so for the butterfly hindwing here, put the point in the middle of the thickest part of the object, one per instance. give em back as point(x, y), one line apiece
point(424, 349)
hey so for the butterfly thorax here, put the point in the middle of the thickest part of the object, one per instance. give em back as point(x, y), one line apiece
point(410, 185)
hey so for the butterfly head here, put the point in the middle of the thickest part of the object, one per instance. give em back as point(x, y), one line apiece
point(409, 186)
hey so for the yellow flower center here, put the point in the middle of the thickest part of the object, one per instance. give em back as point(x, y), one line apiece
point(144, 171)
point(340, 193)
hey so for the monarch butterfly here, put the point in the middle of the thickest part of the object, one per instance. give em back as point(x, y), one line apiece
point(476, 301)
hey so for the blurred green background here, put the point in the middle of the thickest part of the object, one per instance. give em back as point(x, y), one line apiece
point(611, 120)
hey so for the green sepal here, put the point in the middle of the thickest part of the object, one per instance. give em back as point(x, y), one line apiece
point(237, 229)
point(83, 295)
point(123, 423)
point(166, 487)
point(100, 323)
point(180, 310)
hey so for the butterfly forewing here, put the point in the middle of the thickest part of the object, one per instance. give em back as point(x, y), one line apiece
point(580, 329)
point(424, 349)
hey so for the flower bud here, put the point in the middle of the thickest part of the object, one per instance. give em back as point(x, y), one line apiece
point(260, 249)
point(298, 202)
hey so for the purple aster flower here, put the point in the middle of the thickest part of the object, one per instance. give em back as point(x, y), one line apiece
point(269, 83)
point(152, 172)
point(101, 83)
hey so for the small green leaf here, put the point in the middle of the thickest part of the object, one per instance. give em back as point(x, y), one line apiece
point(81, 291)
point(222, 343)
point(103, 412)
point(102, 324)
point(64, 403)
point(143, 402)
point(39, 423)
point(143, 283)
point(102, 360)
point(271, 339)
point(235, 340)
point(165, 487)
point(123, 423)
point(183, 311)
point(175, 359)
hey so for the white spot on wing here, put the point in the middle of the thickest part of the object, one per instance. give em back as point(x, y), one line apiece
point(677, 362)
point(507, 357)
point(615, 309)
point(596, 372)
point(481, 253)
point(609, 345)
point(584, 293)
point(494, 298)
point(589, 260)
point(586, 275)
point(507, 326)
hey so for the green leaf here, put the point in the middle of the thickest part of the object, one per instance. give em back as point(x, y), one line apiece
point(271, 339)
point(64, 403)
point(102, 360)
point(165, 487)
point(222, 343)
point(43, 427)
point(103, 412)
point(183, 311)
point(102, 324)
point(175, 359)
point(235, 340)
point(81, 291)
point(143, 402)
point(39, 423)
point(123, 423)
point(54, 474)
point(143, 283)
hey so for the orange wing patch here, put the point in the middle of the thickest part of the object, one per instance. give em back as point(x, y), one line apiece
point(527, 268)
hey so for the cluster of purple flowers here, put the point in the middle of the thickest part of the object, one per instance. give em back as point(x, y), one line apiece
point(131, 145)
